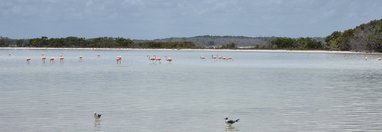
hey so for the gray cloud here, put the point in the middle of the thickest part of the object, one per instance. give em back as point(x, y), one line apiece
point(168, 18)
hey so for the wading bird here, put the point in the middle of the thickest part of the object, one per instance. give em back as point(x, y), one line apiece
point(169, 59)
point(229, 122)
point(97, 116)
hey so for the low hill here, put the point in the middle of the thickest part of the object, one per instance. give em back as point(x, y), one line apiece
point(365, 37)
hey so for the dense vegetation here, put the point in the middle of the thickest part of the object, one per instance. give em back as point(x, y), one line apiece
point(210, 41)
point(299, 43)
point(166, 45)
point(365, 37)
point(229, 46)
point(108, 42)
point(101, 42)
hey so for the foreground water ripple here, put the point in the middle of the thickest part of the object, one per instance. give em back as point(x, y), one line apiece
point(267, 91)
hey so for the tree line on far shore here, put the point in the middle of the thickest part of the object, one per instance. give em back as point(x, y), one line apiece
point(109, 42)
point(101, 42)
point(297, 43)
point(365, 37)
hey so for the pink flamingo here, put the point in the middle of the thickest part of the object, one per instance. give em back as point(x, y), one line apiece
point(169, 59)
point(157, 58)
point(213, 57)
point(51, 60)
point(152, 59)
point(119, 59)
point(62, 59)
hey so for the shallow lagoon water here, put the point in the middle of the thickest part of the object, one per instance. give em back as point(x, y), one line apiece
point(268, 91)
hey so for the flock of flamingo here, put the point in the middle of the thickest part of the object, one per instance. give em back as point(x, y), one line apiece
point(51, 59)
point(157, 59)
point(118, 59)
point(152, 59)
point(217, 57)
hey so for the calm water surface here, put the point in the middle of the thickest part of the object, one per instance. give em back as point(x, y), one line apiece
point(267, 91)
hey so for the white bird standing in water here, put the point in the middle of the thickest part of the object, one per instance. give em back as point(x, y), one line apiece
point(97, 116)
point(229, 122)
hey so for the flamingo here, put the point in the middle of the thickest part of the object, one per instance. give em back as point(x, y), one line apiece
point(157, 58)
point(169, 59)
point(43, 58)
point(81, 57)
point(61, 59)
point(226, 58)
point(202, 57)
point(151, 58)
point(213, 57)
point(119, 59)
point(51, 60)
point(378, 59)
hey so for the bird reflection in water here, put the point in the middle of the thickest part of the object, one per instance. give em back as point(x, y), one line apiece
point(97, 124)
point(231, 129)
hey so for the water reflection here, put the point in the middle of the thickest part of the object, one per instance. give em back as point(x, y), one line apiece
point(97, 125)
point(278, 91)
point(231, 129)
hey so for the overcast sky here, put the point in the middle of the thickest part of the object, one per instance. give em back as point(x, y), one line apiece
point(151, 19)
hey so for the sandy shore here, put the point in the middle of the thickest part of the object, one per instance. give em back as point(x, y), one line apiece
point(206, 50)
